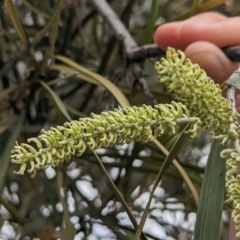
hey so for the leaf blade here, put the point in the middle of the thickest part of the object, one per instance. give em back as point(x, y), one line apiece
point(7, 151)
point(42, 33)
point(106, 83)
point(56, 99)
point(208, 223)
point(16, 22)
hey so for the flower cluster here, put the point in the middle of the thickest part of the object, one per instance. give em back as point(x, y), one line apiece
point(190, 85)
point(59, 144)
point(233, 184)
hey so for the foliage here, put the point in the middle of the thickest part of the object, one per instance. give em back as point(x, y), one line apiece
point(59, 61)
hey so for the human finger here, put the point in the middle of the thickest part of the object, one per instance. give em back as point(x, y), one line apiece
point(221, 33)
point(170, 34)
point(210, 58)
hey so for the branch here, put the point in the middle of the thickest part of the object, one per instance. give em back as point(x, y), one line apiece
point(120, 32)
point(139, 54)
point(129, 44)
point(233, 53)
point(133, 52)
point(137, 71)
point(152, 50)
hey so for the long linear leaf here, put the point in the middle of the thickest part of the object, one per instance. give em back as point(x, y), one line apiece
point(7, 67)
point(7, 91)
point(69, 231)
point(181, 171)
point(209, 215)
point(57, 100)
point(170, 157)
point(36, 10)
point(119, 195)
point(194, 7)
point(5, 160)
point(206, 6)
point(150, 28)
point(16, 22)
point(106, 83)
point(43, 32)
point(69, 70)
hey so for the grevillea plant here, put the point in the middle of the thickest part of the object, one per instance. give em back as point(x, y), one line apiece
point(197, 100)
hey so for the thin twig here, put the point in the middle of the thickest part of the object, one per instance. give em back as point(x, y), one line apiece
point(137, 71)
point(233, 53)
point(146, 51)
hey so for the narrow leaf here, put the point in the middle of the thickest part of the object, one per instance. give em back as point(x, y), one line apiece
point(43, 32)
point(7, 91)
point(16, 22)
point(106, 83)
point(194, 7)
point(181, 141)
point(119, 195)
point(69, 231)
point(69, 70)
point(5, 159)
point(36, 10)
point(57, 100)
point(150, 28)
point(204, 7)
point(209, 215)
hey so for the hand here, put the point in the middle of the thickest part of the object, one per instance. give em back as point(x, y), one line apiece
point(201, 38)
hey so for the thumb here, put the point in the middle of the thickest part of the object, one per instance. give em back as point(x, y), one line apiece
point(212, 60)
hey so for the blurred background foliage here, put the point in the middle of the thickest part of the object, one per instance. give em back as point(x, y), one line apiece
point(38, 90)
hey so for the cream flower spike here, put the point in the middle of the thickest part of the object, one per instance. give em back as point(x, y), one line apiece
point(59, 144)
point(190, 85)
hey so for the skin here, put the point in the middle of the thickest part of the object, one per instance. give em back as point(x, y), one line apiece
point(201, 38)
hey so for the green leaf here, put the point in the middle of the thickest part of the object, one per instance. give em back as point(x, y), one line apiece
point(68, 232)
point(97, 78)
point(57, 100)
point(33, 226)
point(209, 215)
point(36, 10)
point(204, 7)
point(150, 28)
point(5, 159)
point(16, 22)
point(120, 197)
point(235, 82)
point(43, 32)
point(181, 141)
point(7, 91)
point(7, 67)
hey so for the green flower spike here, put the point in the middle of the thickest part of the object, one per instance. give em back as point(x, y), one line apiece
point(59, 144)
point(233, 185)
point(190, 85)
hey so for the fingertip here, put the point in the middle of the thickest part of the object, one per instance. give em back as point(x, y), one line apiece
point(167, 35)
